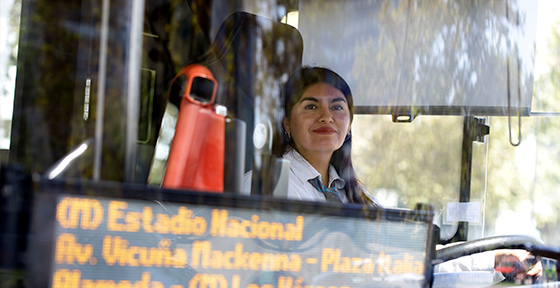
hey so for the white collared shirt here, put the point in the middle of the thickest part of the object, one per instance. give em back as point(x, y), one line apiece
point(301, 172)
point(299, 187)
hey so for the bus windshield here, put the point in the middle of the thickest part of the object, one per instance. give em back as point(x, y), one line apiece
point(453, 106)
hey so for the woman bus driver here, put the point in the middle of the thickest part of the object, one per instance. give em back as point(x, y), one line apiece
point(318, 114)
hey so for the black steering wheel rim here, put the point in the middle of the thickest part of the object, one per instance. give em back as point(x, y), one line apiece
point(486, 244)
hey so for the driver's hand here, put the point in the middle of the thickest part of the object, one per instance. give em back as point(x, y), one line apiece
point(518, 258)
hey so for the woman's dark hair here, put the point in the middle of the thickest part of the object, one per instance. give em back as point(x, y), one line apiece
point(341, 159)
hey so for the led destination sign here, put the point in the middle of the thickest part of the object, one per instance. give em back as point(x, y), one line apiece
point(102, 242)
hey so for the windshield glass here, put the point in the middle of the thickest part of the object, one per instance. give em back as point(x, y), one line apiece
point(453, 104)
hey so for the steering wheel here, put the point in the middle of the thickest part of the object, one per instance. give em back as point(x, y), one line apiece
point(486, 244)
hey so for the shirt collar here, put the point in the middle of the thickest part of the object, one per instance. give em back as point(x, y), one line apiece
point(306, 171)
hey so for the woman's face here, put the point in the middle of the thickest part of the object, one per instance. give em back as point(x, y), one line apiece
point(320, 120)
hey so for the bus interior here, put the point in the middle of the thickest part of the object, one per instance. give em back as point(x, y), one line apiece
point(454, 123)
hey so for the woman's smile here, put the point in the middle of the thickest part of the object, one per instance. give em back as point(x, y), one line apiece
point(325, 131)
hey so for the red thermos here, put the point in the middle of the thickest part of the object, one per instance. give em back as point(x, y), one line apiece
point(196, 157)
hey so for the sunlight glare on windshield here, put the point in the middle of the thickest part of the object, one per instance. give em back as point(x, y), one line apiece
point(547, 21)
point(9, 34)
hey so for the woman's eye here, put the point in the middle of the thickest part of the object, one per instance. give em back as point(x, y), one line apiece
point(337, 107)
point(311, 106)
